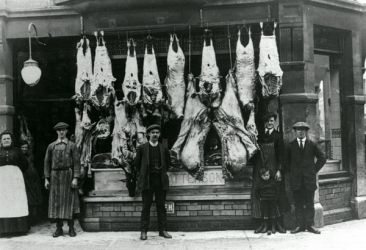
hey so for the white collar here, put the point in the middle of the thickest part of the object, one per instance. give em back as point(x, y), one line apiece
point(269, 130)
point(62, 141)
point(154, 144)
point(303, 140)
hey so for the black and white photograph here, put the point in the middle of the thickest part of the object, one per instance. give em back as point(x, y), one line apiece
point(182, 124)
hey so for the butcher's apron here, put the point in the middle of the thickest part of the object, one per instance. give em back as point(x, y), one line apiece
point(13, 197)
point(63, 200)
point(268, 160)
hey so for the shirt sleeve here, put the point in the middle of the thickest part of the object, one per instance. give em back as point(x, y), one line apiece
point(76, 160)
point(47, 162)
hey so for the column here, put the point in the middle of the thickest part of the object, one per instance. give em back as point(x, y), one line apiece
point(354, 121)
point(6, 79)
point(298, 99)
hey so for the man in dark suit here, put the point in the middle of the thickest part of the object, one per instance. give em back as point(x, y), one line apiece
point(301, 154)
point(152, 162)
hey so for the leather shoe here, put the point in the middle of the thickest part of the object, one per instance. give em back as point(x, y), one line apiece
point(280, 228)
point(312, 229)
point(165, 234)
point(72, 232)
point(143, 236)
point(58, 232)
point(259, 229)
point(298, 230)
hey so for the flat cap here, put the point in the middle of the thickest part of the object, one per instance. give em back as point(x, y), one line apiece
point(60, 125)
point(299, 125)
point(151, 127)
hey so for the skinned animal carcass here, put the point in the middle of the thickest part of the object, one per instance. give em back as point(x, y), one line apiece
point(84, 143)
point(84, 84)
point(238, 144)
point(245, 71)
point(269, 70)
point(103, 76)
point(193, 132)
point(152, 94)
point(209, 80)
point(131, 86)
point(174, 80)
point(128, 134)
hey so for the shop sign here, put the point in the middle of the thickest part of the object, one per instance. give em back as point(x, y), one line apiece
point(211, 177)
point(169, 207)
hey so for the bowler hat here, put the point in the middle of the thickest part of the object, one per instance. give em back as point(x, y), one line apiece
point(61, 125)
point(301, 125)
point(151, 127)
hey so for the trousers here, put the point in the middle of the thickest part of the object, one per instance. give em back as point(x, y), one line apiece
point(156, 188)
point(304, 206)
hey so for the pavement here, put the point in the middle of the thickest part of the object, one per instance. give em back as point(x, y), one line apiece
point(349, 235)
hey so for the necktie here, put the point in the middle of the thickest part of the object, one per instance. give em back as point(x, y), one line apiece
point(301, 144)
point(267, 132)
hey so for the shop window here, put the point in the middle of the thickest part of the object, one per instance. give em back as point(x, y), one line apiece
point(328, 106)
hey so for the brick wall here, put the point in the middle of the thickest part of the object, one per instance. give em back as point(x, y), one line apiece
point(335, 195)
point(335, 198)
point(188, 215)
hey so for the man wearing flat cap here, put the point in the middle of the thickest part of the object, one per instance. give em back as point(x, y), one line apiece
point(301, 164)
point(62, 170)
point(152, 162)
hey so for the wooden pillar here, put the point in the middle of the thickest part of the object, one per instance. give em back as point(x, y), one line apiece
point(298, 99)
point(6, 79)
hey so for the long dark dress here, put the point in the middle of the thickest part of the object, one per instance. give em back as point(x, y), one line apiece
point(33, 188)
point(13, 156)
point(270, 156)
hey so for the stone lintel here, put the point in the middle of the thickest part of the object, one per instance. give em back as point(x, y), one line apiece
point(7, 110)
point(299, 98)
point(356, 99)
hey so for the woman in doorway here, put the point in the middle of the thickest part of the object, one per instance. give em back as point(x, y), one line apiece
point(13, 198)
point(32, 184)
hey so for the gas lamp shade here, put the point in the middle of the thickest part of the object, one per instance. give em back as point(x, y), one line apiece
point(31, 73)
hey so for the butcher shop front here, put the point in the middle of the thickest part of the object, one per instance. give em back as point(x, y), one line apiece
point(206, 71)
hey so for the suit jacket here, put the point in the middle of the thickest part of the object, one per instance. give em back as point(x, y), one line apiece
point(143, 168)
point(301, 164)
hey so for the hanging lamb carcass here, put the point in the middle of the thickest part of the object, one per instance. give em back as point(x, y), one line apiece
point(103, 76)
point(174, 80)
point(269, 70)
point(209, 80)
point(84, 86)
point(152, 95)
point(245, 79)
point(194, 129)
point(238, 145)
point(131, 86)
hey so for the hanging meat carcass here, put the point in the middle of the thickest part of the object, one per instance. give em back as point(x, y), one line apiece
point(84, 76)
point(193, 132)
point(174, 80)
point(245, 79)
point(209, 84)
point(103, 76)
point(238, 144)
point(245, 71)
point(269, 70)
point(128, 134)
point(131, 86)
point(152, 93)
point(86, 141)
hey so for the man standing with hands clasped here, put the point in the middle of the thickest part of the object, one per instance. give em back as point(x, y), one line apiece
point(152, 162)
point(301, 155)
point(62, 170)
